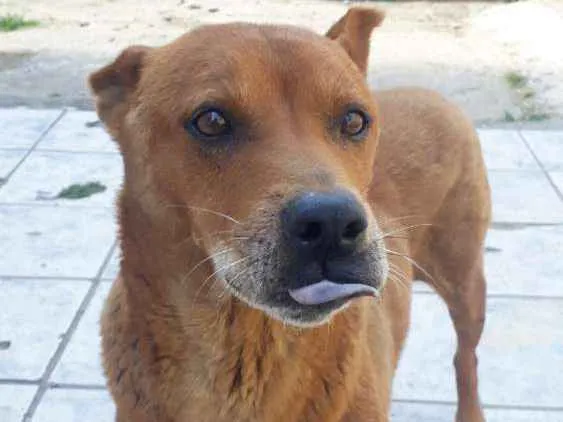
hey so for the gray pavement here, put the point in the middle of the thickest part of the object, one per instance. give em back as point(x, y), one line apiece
point(59, 256)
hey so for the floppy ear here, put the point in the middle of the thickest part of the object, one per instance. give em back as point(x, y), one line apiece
point(113, 84)
point(353, 32)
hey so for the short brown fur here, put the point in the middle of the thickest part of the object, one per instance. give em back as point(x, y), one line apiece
point(177, 346)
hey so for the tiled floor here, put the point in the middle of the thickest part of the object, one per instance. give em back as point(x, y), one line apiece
point(55, 273)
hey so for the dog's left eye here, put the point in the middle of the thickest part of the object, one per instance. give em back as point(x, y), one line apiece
point(354, 123)
point(209, 123)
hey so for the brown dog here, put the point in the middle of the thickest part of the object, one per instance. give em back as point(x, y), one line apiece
point(268, 197)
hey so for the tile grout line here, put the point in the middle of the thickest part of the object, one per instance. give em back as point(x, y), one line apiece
point(71, 386)
point(33, 147)
point(66, 206)
point(62, 151)
point(515, 296)
point(57, 355)
point(15, 381)
point(48, 278)
point(542, 167)
point(485, 405)
point(509, 225)
point(513, 170)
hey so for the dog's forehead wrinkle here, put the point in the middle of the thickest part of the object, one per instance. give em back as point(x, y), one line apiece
point(298, 54)
point(287, 56)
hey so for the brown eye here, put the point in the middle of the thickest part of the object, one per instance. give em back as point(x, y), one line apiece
point(209, 123)
point(354, 124)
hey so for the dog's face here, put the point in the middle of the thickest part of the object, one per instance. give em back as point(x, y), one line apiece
point(263, 140)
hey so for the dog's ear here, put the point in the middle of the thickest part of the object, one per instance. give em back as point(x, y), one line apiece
point(353, 32)
point(113, 84)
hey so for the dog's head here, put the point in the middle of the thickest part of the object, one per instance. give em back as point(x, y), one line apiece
point(263, 138)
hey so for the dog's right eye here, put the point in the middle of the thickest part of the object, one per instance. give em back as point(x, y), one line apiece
point(209, 123)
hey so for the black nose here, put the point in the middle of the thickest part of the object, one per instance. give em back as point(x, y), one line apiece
point(323, 224)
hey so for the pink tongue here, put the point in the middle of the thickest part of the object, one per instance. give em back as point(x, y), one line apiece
point(326, 291)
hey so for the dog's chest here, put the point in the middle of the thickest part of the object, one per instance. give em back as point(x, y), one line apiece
point(266, 378)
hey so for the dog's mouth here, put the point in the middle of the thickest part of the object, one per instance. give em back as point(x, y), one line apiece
point(306, 263)
point(301, 297)
point(327, 291)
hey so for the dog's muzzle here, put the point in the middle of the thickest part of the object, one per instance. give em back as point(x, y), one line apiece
point(325, 232)
point(308, 257)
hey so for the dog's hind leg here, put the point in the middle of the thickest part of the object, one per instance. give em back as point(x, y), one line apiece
point(451, 260)
point(467, 309)
point(461, 283)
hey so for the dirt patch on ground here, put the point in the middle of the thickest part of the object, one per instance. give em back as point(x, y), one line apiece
point(466, 50)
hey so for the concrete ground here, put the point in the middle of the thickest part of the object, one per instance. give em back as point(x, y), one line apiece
point(59, 257)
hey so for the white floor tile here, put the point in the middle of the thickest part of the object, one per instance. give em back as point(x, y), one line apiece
point(55, 241)
point(21, 127)
point(9, 159)
point(14, 401)
point(112, 269)
point(78, 131)
point(548, 147)
point(44, 175)
point(505, 150)
point(525, 197)
point(35, 315)
point(60, 405)
point(428, 412)
point(557, 177)
point(521, 346)
point(525, 260)
point(81, 361)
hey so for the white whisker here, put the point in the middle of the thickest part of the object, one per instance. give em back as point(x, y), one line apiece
point(412, 262)
point(193, 207)
point(224, 267)
point(402, 229)
point(212, 256)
